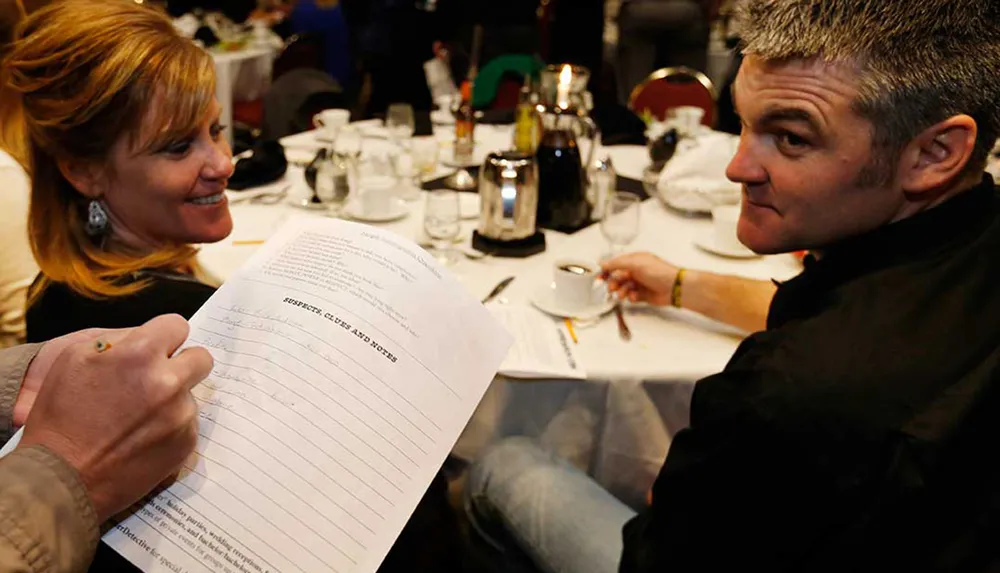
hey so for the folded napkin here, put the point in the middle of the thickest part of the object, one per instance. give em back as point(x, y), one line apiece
point(695, 178)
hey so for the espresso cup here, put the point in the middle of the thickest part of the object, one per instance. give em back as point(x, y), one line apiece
point(725, 219)
point(574, 283)
point(331, 121)
point(376, 195)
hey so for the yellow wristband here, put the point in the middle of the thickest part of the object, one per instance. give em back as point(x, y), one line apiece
point(675, 292)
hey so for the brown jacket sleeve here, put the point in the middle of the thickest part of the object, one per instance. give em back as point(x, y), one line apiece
point(13, 364)
point(47, 522)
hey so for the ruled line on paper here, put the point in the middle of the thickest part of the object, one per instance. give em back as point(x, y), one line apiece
point(313, 444)
point(216, 425)
point(370, 325)
point(263, 316)
point(201, 514)
point(212, 344)
point(331, 398)
point(271, 523)
point(240, 325)
point(286, 488)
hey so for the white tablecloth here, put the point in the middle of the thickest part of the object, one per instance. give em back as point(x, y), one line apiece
point(618, 424)
point(244, 73)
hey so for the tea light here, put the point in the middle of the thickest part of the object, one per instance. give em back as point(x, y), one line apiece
point(562, 90)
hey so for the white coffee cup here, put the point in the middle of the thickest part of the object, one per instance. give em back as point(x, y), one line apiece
point(574, 281)
point(376, 195)
point(331, 121)
point(725, 219)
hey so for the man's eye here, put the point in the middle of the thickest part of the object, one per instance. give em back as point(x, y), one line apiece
point(788, 141)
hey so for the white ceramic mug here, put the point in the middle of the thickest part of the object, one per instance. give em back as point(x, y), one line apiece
point(331, 121)
point(376, 195)
point(574, 280)
point(725, 219)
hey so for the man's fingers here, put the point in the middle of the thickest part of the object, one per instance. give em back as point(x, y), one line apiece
point(163, 334)
point(192, 365)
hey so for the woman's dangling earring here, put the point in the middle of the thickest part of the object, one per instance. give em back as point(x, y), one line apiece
point(97, 219)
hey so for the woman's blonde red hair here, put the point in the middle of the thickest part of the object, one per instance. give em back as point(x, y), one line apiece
point(83, 74)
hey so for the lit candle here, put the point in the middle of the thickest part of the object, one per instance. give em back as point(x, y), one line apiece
point(562, 91)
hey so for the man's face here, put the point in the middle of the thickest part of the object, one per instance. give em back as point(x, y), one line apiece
point(801, 151)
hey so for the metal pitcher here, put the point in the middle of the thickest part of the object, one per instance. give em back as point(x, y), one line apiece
point(508, 189)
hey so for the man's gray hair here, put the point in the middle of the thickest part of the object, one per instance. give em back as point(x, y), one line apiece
point(921, 61)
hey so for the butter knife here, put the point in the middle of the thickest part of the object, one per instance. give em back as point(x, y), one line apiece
point(623, 330)
point(498, 289)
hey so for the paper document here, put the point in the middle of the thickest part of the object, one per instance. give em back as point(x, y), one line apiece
point(347, 363)
point(542, 347)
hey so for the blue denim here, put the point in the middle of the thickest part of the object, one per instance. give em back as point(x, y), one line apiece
point(537, 512)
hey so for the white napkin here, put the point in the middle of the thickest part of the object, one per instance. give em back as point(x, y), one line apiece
point(695, 177)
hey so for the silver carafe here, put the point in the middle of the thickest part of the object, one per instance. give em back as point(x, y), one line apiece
point(508, 190)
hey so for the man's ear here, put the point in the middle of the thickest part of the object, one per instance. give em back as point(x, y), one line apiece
point(85, 177)
point(937, 157)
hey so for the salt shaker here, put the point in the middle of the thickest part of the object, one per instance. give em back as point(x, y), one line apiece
point(603, 181)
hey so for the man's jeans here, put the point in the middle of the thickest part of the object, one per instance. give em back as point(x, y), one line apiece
point(536, 512)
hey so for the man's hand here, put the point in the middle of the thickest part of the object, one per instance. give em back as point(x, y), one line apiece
point(42, 363)
point(124, 417)
point(640, 277)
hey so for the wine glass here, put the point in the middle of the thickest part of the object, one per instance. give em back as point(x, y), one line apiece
point(400, 123)
point(620, 225)
point(442, 223)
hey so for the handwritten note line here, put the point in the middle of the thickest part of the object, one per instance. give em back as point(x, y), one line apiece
point(289, 490)
point(238, 324)
point(238, 310)
point(214, 345)
point(240, 474)
point(215, 424)
point(271, 523)
point(372, 326)
point(216, 525)
point(175, 544)
point(307, 440)
point(331, 398)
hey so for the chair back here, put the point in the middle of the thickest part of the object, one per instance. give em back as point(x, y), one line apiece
point(669, 88)
point(299, 51)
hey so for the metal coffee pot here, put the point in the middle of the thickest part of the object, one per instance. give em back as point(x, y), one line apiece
point(508, 191)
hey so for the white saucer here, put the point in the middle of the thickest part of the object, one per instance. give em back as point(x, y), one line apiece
point(448, 160)
point(706, 242)
point(544, 298)
point(397, 210)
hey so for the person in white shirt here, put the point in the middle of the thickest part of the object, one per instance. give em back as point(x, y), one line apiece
point(17, 265)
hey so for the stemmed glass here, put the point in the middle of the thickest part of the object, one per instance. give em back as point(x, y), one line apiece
point(442, 223)
point(620, 225)
point(400, 123)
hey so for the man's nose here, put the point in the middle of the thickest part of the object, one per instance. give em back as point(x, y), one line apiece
point(745, 168)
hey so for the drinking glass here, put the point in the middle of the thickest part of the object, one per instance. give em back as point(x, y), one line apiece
point(620, 225)
point(400, 123)
point(348, 143)
point(442, 223)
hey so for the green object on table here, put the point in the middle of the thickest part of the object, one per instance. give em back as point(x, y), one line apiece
point(488, 81)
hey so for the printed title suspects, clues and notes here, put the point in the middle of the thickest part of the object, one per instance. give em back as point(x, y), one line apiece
point(345, 325)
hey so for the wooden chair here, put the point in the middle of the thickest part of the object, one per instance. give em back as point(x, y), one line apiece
point(668, 88)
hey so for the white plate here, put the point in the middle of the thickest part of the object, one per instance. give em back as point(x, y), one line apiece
point(397, 210)
point(706, 242)
point(544, 298)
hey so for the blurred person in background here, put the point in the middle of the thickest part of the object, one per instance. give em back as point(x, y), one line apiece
point(17, 265)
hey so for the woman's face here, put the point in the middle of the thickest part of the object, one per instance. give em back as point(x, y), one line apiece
point(174, 194)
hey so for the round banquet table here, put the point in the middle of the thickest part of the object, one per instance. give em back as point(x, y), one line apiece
point(617, 424)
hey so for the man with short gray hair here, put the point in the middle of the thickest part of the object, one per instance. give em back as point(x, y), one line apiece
point(859, 429)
